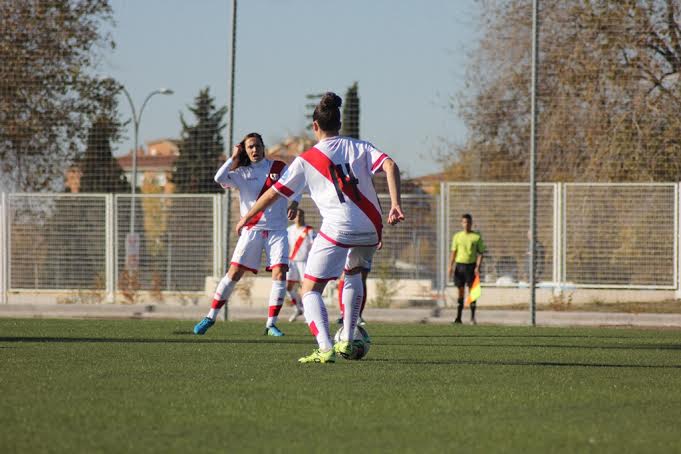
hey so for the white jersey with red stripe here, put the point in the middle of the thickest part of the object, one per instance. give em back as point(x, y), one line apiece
point(338, 172)
point(252, 181)
point(300, 240)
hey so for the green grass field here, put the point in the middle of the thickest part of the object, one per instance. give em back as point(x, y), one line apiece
point(152, 386)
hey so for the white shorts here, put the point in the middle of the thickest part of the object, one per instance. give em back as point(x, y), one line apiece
point(327, 261)
point(251, 244)
point(296, 271)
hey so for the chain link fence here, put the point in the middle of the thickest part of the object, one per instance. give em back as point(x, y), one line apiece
point(610, 236)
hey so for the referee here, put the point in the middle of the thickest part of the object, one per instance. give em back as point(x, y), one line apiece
point(465, 261)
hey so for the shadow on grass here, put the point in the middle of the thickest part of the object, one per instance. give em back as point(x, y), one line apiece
point(567, 346)
point(456, 335)
point(137, 340)
point(518, 363)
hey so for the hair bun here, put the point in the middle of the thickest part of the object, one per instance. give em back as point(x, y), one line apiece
point(330, 100)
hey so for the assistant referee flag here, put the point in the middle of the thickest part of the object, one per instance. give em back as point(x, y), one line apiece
point(474, 292)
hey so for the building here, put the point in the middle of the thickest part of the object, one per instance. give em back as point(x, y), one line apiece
point(155, 165)
point(290, 148)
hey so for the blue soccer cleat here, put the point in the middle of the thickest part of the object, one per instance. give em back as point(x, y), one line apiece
point(273, 331)
point(201, 327)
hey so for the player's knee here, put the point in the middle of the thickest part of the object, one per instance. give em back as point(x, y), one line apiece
point(278, 274)
point(355, 270)
point(235, 273)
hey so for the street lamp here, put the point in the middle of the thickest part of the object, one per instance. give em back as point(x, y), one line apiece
point(136, 119)
point(132, 239)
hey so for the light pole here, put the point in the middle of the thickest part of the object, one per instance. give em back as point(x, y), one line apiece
point(132, 243)
point(136, 119)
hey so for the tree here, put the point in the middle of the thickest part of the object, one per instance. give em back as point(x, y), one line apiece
point(310, 106)
point(101, 172)
point(350, 115)
point(48, 86)
point(609, 92)
point(201, 147)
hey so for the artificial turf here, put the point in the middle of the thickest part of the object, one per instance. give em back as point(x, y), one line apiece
point(152, 386)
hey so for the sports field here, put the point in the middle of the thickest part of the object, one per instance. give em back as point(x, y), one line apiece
point(151, 386)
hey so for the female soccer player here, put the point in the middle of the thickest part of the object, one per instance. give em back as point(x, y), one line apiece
point(337, 171)
point(300, 238)
point(248, 171)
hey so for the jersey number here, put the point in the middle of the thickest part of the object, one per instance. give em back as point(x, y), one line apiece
point(340, 180)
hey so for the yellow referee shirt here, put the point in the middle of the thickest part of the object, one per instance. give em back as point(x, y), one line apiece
point(467, 246)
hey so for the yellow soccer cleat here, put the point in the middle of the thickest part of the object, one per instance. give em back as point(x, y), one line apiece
point(344, 348)
point(318, 356)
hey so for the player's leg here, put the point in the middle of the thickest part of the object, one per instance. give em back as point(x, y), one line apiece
point(365, 275)
point(341, 308)
point(246, 257)
point(276, 249)
point(324, 263)
point(358, 259)
point(470, 277)
point(459, 282)
point(293, 278)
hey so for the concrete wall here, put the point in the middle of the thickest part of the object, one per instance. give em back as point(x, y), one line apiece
point(255, 291)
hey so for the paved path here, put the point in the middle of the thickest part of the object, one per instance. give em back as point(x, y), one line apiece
point(192, 313)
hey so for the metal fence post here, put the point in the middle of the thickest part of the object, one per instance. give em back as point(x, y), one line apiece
point(677, 243)
point(443, 212)
point(4, 247)
point(557, 273)
point(225, 227)
point(109, 245)
point(217, 234)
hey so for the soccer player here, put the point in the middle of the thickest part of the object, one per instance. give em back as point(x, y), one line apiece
point(467, 251)
point(248, 171)
point(337, 171)
point(341, 282)
point(300, 238)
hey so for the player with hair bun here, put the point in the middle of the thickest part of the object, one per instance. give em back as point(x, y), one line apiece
point(337, 171)
point(252, 174)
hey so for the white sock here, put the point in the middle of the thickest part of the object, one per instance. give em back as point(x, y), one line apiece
point(317, 319)
point(276, 301)
point(353, 292)
point(222, 293)
point(295, 297)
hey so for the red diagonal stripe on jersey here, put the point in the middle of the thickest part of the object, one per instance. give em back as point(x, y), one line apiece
point(322, 163)
point(379, 162)
point(276, 167)
point(283, 189)
point(299, 242)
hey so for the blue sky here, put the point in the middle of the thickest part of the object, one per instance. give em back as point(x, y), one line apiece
point(408, 57)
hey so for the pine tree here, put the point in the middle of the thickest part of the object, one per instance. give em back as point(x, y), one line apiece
point(201, 147)
point(350, 115)
point(101, 172)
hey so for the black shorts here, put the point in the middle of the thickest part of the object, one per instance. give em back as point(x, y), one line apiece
point(464, 274)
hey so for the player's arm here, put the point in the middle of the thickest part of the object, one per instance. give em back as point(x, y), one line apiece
point(292, 210)
point(268, 198)
point(222, 176)
point(478, 259)
point(478, 263)
point(392, 175)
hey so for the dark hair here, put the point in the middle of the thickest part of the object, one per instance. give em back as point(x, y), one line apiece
point(327, 113)
point(467, 216)
point(243, 156)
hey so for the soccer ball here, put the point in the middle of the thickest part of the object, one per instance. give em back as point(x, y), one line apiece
point(361, 342)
